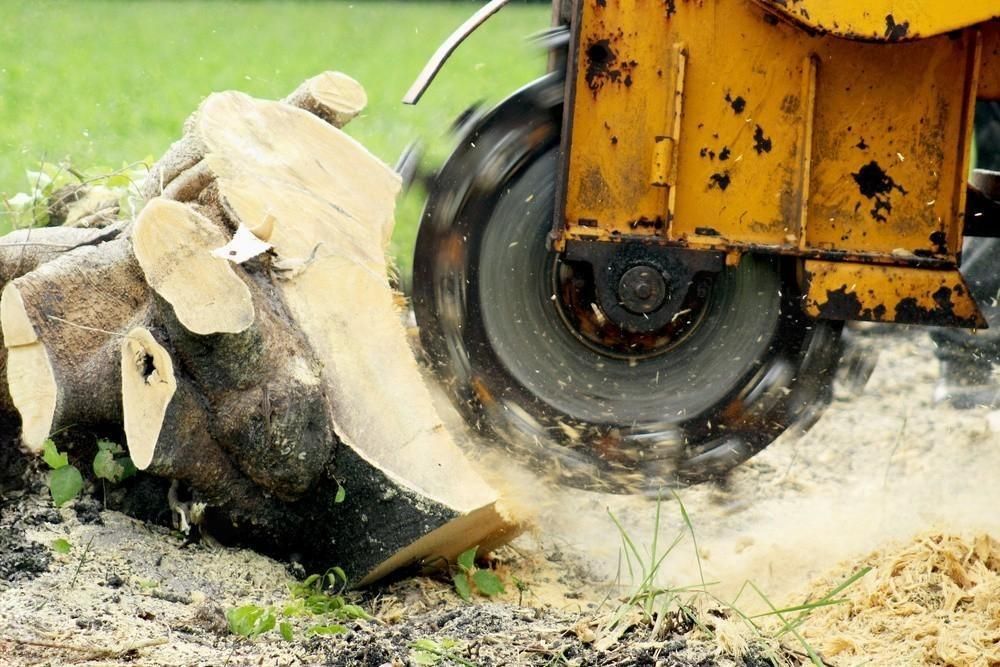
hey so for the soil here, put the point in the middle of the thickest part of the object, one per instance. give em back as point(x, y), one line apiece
point(878, 471)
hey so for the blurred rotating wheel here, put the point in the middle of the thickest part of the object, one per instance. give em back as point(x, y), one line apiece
point(528, 357)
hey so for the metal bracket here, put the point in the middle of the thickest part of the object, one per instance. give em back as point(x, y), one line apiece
point(447, 47)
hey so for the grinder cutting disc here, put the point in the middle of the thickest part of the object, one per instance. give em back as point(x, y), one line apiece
point(528, 356)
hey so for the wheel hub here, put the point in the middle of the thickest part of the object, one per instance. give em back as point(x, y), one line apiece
point(642, 289)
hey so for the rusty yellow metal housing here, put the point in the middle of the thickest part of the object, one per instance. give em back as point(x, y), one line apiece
point(906, 295)
point(888, 20)
point(721, 124)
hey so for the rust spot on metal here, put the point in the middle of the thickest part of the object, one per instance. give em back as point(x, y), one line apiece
point(738, 104)
point(896, 31)
point(603, 65)
point(877, 185)
point(600, 57)
point(614, 140)
point(720, 181)
point(908, 310)
point(706, 152)
point(862, 145)
point(790, 104)
point(940, 241)
point(671, 7)
point(647, 223)
point(724, 153)
point(840, 304)
point(761, 144)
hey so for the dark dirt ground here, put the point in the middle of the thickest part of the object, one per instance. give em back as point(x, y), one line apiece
point(129, 593)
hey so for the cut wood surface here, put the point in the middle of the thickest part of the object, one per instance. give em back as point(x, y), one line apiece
point(243, 336)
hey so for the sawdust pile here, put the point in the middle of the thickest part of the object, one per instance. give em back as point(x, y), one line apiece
point(933, 601)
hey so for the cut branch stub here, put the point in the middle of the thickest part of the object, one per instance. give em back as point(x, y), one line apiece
point(32, 384)
point(21, 252)
point(148, 385)
point(62, 324)
point(332, 96)
point(173, 244)
point(165, 431)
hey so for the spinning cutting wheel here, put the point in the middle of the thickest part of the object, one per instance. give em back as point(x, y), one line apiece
point(625, 371)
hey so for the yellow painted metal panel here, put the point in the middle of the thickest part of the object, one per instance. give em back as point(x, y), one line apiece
point(787, 141)
point(906, 295)
point(890, 20)
point(622, 103)
point(890, 152)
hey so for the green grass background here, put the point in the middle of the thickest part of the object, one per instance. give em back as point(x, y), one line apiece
point(103, 82)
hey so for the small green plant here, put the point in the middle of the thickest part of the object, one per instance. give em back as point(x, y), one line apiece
point(111, 464)
point(61, 546)
point(317, 597)
point(333, 629)
point(522, 588)
point(469, 578)
point(431, 652)
point(65, 480)
point(31, 208)
point(250, 620)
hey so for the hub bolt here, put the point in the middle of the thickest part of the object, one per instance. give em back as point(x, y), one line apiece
point(642, 289)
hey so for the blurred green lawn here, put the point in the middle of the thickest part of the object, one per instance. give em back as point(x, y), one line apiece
point(103, 82)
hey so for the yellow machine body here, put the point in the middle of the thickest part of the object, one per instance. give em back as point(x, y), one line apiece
point(810, 128)
point(892, 20)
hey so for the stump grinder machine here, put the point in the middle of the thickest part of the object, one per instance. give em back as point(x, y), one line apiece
point(634, 272)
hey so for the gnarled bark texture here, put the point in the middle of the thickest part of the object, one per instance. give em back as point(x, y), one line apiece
point(242, 334)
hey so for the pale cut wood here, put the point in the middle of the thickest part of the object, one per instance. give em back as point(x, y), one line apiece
point(22, 251)
point(332, 96)
point(383, 408)
point(148, 385)
point(173, 244)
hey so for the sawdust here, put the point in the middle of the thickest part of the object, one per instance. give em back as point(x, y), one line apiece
point(932, 601)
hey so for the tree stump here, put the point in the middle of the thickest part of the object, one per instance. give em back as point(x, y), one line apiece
point(242, 335)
